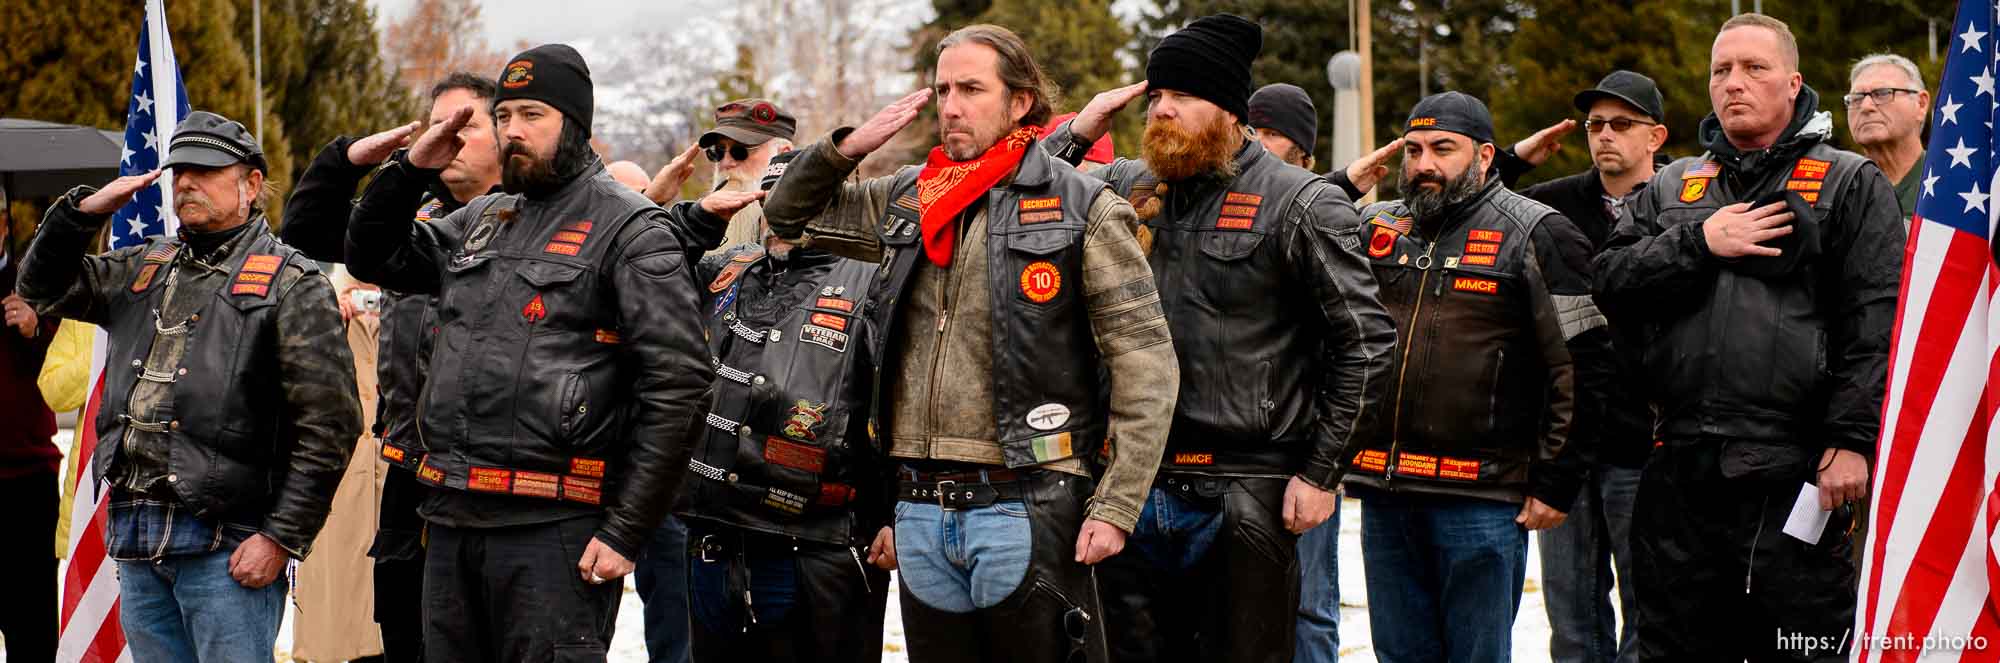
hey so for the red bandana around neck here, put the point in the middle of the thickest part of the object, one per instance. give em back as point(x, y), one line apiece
point(945, 188)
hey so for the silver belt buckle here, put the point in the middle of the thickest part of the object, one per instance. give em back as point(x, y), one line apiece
point(941, 488)
point(705, 549)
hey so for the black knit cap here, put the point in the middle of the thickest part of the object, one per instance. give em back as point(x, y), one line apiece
point(1456, 112)
point(1286, 109)
point(553, 74)
point(1210, 59)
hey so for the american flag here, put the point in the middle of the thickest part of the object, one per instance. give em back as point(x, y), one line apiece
point(1930, 564)
point(90, 631)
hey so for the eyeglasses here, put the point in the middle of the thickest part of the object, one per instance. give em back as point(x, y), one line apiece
point(1618, 124)
point(736, 151)
point(1881, 95)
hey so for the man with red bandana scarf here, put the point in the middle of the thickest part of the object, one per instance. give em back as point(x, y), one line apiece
point(1015, 327)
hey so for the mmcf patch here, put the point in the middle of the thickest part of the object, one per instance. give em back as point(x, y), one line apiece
point(1193, 458)
point(1470, 284)
point(429, 473)
point(535, 311)
point(1381, 243)
point(779, 451)
point(1041, 281)
point(1417, 465)
point(1462, 470)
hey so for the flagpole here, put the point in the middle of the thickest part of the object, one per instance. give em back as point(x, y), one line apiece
point(257, 59)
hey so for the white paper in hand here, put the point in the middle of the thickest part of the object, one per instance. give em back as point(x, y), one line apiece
point(1807, 520)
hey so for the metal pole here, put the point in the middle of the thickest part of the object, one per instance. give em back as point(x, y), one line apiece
point(1365, 28)
point(257, 61)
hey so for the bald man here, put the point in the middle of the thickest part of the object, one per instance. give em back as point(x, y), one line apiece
point(629, 174)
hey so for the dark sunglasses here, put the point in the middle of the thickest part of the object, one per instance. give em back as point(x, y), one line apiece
point(1618, 124)
point(737, 151)
point(1881, 95)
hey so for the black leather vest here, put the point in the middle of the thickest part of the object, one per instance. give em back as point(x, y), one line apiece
point(1242, 325)
point(1050, 388)
point(526, 392)
point(225, 410)
point(776, 454)
point(403, 351)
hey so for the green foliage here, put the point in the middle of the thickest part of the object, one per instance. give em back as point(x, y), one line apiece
point(71, 61)
point(1299, 37)
point(1076, 43)
point(1560, 51)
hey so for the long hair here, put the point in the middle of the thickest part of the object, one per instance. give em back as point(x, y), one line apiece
point(1018, 69)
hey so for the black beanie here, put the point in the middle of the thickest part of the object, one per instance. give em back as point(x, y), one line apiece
point(1288, 110)
point(553, 74)
point(1210, 59)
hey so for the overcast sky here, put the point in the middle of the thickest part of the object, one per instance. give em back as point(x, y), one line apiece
point(542, 21)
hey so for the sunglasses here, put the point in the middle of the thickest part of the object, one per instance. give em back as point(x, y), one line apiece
point(736, 151)
point(1618, 124)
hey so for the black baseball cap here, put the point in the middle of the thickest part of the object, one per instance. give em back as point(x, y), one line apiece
point(207, 140)
point(1630, 87)
point(750, 122)
point(1456, 112)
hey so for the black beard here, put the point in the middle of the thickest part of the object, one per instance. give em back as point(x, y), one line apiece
point(517, 177)
point(1425, 205)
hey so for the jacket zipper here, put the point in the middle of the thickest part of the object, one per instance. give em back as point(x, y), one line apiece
point(937, 353)
point(1751, 568)
point(1403, 366)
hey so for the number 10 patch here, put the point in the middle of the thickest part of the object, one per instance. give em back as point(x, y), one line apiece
point(1041, 281)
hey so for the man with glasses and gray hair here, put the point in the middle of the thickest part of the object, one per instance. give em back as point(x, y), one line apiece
point(1886, 106)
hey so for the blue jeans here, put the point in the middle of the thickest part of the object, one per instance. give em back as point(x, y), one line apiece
point(187, 608)
point(1444, 576)
point(962, 560)
point(661, 578)
point(1319, 593)
point(1577, 562)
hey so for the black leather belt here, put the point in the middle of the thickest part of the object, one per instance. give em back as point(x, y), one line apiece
point(953, 495)
point(1192, 485)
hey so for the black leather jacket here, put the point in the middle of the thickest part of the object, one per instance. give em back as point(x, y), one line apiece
point(262, 411)
point(569, 372)
point(1492, 300)
point(1284, 346)
point(1796, 360)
